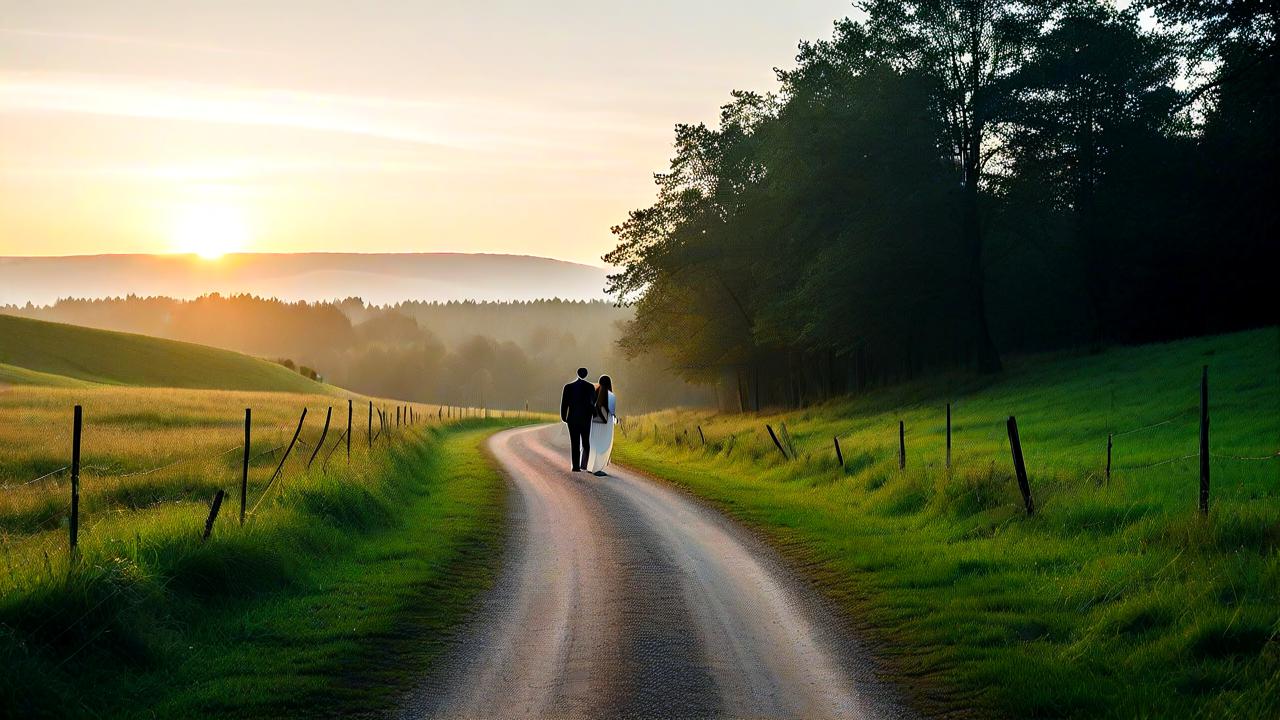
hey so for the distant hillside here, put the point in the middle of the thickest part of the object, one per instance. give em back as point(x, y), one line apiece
point(33, 352)
point(377, 278)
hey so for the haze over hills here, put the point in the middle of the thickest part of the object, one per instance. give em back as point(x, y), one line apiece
point(378, 278)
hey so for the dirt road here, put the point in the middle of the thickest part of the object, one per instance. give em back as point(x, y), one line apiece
point(622, 598)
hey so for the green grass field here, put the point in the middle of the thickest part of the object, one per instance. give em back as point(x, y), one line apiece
point(337, 588)
point(1115, 599)
point(327, 602)
point(32, 350)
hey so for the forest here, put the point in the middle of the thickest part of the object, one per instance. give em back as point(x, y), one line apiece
point(943, 183)
point(478, 354)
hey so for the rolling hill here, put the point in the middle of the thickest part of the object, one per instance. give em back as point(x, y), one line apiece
point(33, 352)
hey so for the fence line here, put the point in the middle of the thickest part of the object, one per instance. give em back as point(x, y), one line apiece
point(1166, 421)
point(785, 445)
point(1262, 458)
point(1157, 463)
point(49, 474)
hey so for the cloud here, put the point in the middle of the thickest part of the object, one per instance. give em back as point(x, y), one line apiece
point(133, 97)
point(128, 40)
point(474, 124)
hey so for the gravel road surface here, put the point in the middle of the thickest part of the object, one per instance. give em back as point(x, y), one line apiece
point(619, 597)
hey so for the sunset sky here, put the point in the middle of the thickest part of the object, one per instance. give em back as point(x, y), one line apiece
point(492, 126)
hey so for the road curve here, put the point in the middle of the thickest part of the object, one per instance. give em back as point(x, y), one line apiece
point(619, 597)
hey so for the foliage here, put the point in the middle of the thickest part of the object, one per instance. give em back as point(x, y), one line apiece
point(943, 182)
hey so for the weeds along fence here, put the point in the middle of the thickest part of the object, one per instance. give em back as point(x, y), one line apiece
point(1119, 452)
point(45, 519)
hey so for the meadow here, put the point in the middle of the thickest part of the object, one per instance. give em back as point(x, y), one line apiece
point(260, 619)
point(34, 352)
point(1116, 598)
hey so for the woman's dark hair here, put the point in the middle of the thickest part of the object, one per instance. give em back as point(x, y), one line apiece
point(603, 388)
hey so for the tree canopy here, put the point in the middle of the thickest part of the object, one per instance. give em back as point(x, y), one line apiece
point(942, 182)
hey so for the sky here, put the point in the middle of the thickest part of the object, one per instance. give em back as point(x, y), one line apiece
point(393, 126)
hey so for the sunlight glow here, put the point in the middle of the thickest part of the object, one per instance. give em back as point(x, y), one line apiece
point(209, 230)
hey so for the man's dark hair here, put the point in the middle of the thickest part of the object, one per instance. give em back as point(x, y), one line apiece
point(582, 373)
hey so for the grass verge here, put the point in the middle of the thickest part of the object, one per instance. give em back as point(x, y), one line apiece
point(1115, 600)
point(328, 604)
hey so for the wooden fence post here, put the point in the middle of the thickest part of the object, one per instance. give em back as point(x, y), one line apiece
point(1019, 467)
point(902, 446)
point(244, 468)
point(328, 415)
point(1204, 440)
point(287, 450)
point(776, 441)
point(1108, 472)
point(77, 422)
point(839, 455)
point(213, 515)
point(348, 431)
point(948, 435)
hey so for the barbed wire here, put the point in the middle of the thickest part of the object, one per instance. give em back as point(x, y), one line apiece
point(175, 463)
point(325, 465)
point(1262, 458)
point(49, 474)
point(1157, 463)
point(115, 475)
point(1215, 456)
point(270, 451)
point(1154, 425)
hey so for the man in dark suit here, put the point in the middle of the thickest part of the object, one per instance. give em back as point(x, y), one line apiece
point(576, 404)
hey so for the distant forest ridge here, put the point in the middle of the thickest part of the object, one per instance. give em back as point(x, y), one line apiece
point(497, 354)
point(379, 278)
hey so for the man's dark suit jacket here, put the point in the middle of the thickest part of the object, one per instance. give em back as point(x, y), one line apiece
point(577, 402)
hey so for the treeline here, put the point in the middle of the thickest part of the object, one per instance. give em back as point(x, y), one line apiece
point(495, 354)
point(942, 183)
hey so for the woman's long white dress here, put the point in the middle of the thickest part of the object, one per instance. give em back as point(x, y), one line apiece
point(602, 437)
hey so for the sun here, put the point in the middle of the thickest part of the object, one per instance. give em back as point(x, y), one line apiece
point(209, 230)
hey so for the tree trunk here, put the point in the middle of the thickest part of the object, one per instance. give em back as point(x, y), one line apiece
point(1087, 236)
point(988, 357)
point(755, 372)
point(739, 387)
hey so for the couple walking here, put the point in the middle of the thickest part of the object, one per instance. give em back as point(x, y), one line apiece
point(590, 411)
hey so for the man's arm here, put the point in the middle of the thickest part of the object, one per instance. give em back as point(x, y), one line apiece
point(564, 405)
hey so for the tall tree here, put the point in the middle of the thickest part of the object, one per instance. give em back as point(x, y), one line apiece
point(969, 48)
point(685, 259)
point(1095, 88)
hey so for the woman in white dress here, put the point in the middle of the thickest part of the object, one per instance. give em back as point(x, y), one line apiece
point(603, 417)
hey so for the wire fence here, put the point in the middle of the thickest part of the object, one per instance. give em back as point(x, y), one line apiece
point(38, 542)
point(38, 513)
point(1180, 438)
